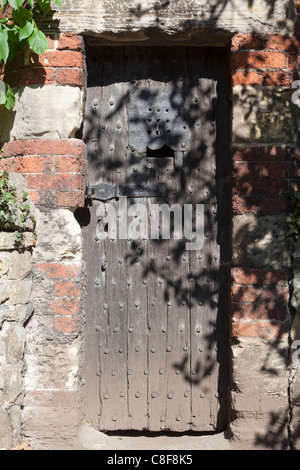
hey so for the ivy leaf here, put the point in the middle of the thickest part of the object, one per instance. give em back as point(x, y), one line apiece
point(58, 2)
point(31, 3)
point(26, 30)
point(38, 41)
point(45, 6)
point(16, 3)
point(4, 48)
point(22, 15)
point(2, 3)
point(10, 98)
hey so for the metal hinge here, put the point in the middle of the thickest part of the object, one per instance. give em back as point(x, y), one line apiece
point(105, 192)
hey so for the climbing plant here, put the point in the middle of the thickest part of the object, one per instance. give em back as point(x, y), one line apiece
point(19, 32)
point(13, 211)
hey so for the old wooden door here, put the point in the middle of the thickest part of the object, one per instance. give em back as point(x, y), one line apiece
point(153, 312)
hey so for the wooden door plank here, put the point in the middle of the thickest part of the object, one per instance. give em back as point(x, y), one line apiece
point(178, 332)
point(114, 413)
point(158, 270)
point(203, 270)
point(93, 328)
point(136, 262)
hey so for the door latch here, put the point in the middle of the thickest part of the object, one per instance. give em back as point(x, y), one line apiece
point(105, 192)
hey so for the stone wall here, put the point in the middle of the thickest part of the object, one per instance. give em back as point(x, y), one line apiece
point(16, 309)
point(42, 290)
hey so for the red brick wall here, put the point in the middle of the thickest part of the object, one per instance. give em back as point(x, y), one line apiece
point(55, 170)
point(261, 178)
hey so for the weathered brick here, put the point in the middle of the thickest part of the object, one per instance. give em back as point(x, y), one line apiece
point(43, 147)
point(245, 41)
point(259, 153)
point(61, 59)
point(246, 170)
point(41, 197)
point(279, 42)
point(59, 271)
point(259, 276)
point(68, 164)
point(276, 78)
point(260, 187)
point(69, 76)
point(258, 294)
point(30, 76)
point(66, 289)
point(275, 169)
point(260, 60)
point(246, 77)
point(262, 330)
point(254, 311)
point(70, 42)
point(70, 199)
point(269, 205)
point(58, 181)
point(66, 325)
point(63, 307)
point(244, 204)
point(33, 164)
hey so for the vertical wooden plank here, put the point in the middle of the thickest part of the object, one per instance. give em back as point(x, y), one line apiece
point(136, 265)
point(178, 329)
point(202, 183)
point(113, 382)
point(158, 295)
point(92, 328)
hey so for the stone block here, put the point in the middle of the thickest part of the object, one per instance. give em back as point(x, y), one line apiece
point(161, 21)
point(45, 112)
point(5, 430)
point(59, 373)
point(12, 383)
point(8, 241)
point(260, 241)
point(58, 237)
point(264, 115)
point(13, 336)
point(260, 367)
point(20, 265)
point(15, 313)
point(19, 291)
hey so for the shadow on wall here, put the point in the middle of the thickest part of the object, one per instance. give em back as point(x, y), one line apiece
point(216, 8)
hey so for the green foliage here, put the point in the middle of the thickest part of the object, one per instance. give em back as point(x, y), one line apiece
point(20, 32)
point(294, 217)
point(13, 213)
